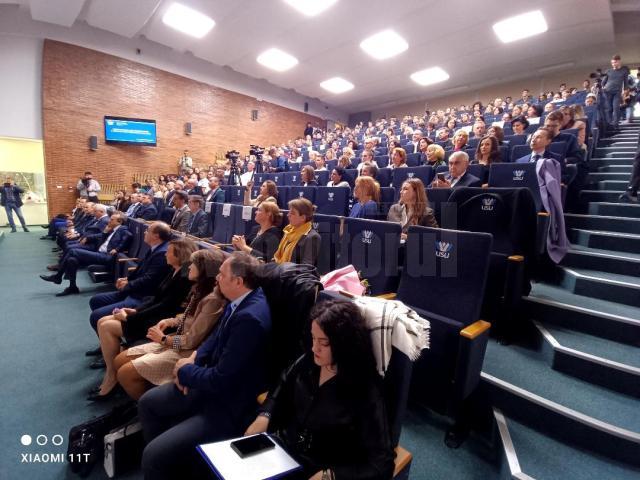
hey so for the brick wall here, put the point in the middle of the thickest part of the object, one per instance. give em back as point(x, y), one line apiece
point(81, 86)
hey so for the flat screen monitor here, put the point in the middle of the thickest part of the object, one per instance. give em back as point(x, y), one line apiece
point(130, 131)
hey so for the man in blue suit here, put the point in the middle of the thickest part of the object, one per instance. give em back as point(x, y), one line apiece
point(458, 175)
point(214, 393)
point(142, 282)
point(101, 249)
point(215, 193)
point(94, 225)
point(198, 224)
point(539, 143)
point(148, 210)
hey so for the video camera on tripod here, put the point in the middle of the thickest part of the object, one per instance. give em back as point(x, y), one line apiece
point(258, 151)
point(234, 169)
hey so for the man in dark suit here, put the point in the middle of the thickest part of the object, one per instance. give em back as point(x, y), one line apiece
point(214, 392)
point(148, 210)
point(142, 282)
point(101, 249)
point(215, 194)
point(11, 201)
point(192, 188)
point(95, 225)
point(540, 141)
point(198, 225)
point(458, 175)
point(181, 216)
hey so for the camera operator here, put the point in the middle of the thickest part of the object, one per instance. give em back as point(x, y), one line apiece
point(11, 201)
point(88, 187)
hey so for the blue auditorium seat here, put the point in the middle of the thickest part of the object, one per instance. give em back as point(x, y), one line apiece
point(350, 175)
point(328, 227)
point(444, 212)
point(292, 179)
point(322, 177)
point(234, 194)
point(387, 198)
point(559, 147)
point(424, 173)
point(371, 246)
point(223, 220)
point(516, 175)
point(167, 214)
point(382, 161)
point(383, 177)
point(243, 219)
point(332, 200)
point(291, 193)
point(413, 159)
point(520, 151)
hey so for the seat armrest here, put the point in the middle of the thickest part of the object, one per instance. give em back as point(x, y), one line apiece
point(402, 461)
point(474, 330)
point(262, 397)
point(387, 296)
point(471, 350)
point(127, 259)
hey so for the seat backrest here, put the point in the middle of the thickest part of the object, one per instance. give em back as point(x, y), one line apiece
point(520, 151)
point(383, 177)
point(516, 175)
point(223, 222)
point(387, 198)
point(322, 177)
point(515, 140)
point(234, 194)
point(332, 200)
point(445, 272)
point(243, 219)
point(413, 159)
point(167, 215)
point(371, 246)
point(382, 161)
point(480, 171)
point(559, 147)
point(292, 178)
point(350, 175)
point(291, 193)
point(328, 227)
point(259, 178)
point(424, 173)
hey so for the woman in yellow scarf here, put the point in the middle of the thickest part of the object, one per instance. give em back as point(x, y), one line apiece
point(300, 242)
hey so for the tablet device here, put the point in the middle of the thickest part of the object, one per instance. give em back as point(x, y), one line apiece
point(248, 446)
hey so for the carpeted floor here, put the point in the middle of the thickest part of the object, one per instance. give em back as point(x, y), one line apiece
point(45, 377)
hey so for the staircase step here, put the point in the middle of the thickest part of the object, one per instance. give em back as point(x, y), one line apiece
point(600, 196)
point(615, 152)
point(630, 136)
point(595, 259)
point(518, 380)
point(618, 142)
point(614, 209)
point(626, 169)
point(596, 284)
point(592, 359)
point(615, 241)
point(534, 455)
point(608, 176)
point(610, 185)
point(561, 307)
point(595, 163)
point(602, 222)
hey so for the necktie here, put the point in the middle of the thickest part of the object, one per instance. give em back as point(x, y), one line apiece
point(535, 158)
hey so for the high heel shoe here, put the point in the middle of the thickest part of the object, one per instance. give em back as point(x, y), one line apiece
point(96, 397)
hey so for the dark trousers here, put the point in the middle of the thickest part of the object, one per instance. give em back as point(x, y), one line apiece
point(103, 304)
point(174, 424)
point(634, 183)
point(79, 257)
point(10, 208)
point(612, 107)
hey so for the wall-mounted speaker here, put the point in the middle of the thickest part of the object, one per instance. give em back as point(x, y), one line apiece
point(306, 106)
point(187, 128)
point(93, 142)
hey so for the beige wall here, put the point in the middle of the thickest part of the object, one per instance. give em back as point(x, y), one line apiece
point(536, 84)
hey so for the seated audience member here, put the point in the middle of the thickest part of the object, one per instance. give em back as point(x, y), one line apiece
point(479, 128)
point(519, 125)
point(337, 175)
point(203, 182)
point(398, 158)
point(487, 151)
point(198, 224)
point(459, 140)
point(141, 367)
point(414, 145)
point(300, 242)
point(344, 162)
point(590, 100)
point(579, 119)
point(344, 432)
point(574, 154)
point(308, 177)
point(180, 220)
point(147, 210)
point(142, 282)
point(434, 156)
point(320, 165)
point(133, 323)
point(367, 159)
point(268, 193)
point(101, 249)
point(497, 132)
point(422, 146)
point(215, 193)
point(192, 187)
point(370, 170)
point(134, 204)
point(213, 396)
point(367, 194)
point(442, 135)
point(458, 175)
point(549, 107)
point(540, 141)
point(534, 111)
point(246, 176)
point(413, 207)
point(265, 237)
point(119, 201)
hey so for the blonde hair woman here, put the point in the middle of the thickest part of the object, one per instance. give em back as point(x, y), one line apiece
point(367, 192)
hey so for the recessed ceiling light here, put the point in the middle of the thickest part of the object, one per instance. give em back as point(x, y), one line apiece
point(187, 20)
point(311, 8)
point(430, 76)
point(277, 60)
point(384, 44)
point(337, 85)
point(521, 26)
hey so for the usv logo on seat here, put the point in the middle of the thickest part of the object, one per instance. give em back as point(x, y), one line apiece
point(518, 175)
point(315, 226)
point(488, 204)
point(410, 174)
point(444, 249)
point(330, 197)
point(367, 236)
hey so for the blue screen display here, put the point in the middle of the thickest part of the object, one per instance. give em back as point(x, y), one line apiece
point(134, 131)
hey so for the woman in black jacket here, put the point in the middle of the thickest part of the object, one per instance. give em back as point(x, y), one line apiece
point(265, 237)
point(328, 410)
point(133, 324)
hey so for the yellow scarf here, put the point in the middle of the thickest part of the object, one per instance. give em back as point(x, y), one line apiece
point(290, 239)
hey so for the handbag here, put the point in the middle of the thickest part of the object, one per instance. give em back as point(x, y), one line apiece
point(123, 449)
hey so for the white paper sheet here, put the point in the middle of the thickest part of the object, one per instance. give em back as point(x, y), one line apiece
point(246, 213)
point(207, 207)
point(226, 210)
point(261, 466)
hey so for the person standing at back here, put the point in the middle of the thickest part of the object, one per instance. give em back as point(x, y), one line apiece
point(614, 81)
point(88, 187)
point(11, 201)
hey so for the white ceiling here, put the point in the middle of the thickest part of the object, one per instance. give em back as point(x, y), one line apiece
point(454, 34)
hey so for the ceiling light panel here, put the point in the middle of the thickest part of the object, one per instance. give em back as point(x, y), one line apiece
point(187, 20)
point(277, 60)
point(383, 45)
point(337, 85)
point(311, 8)
point(429, 76)
point(521, 26)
